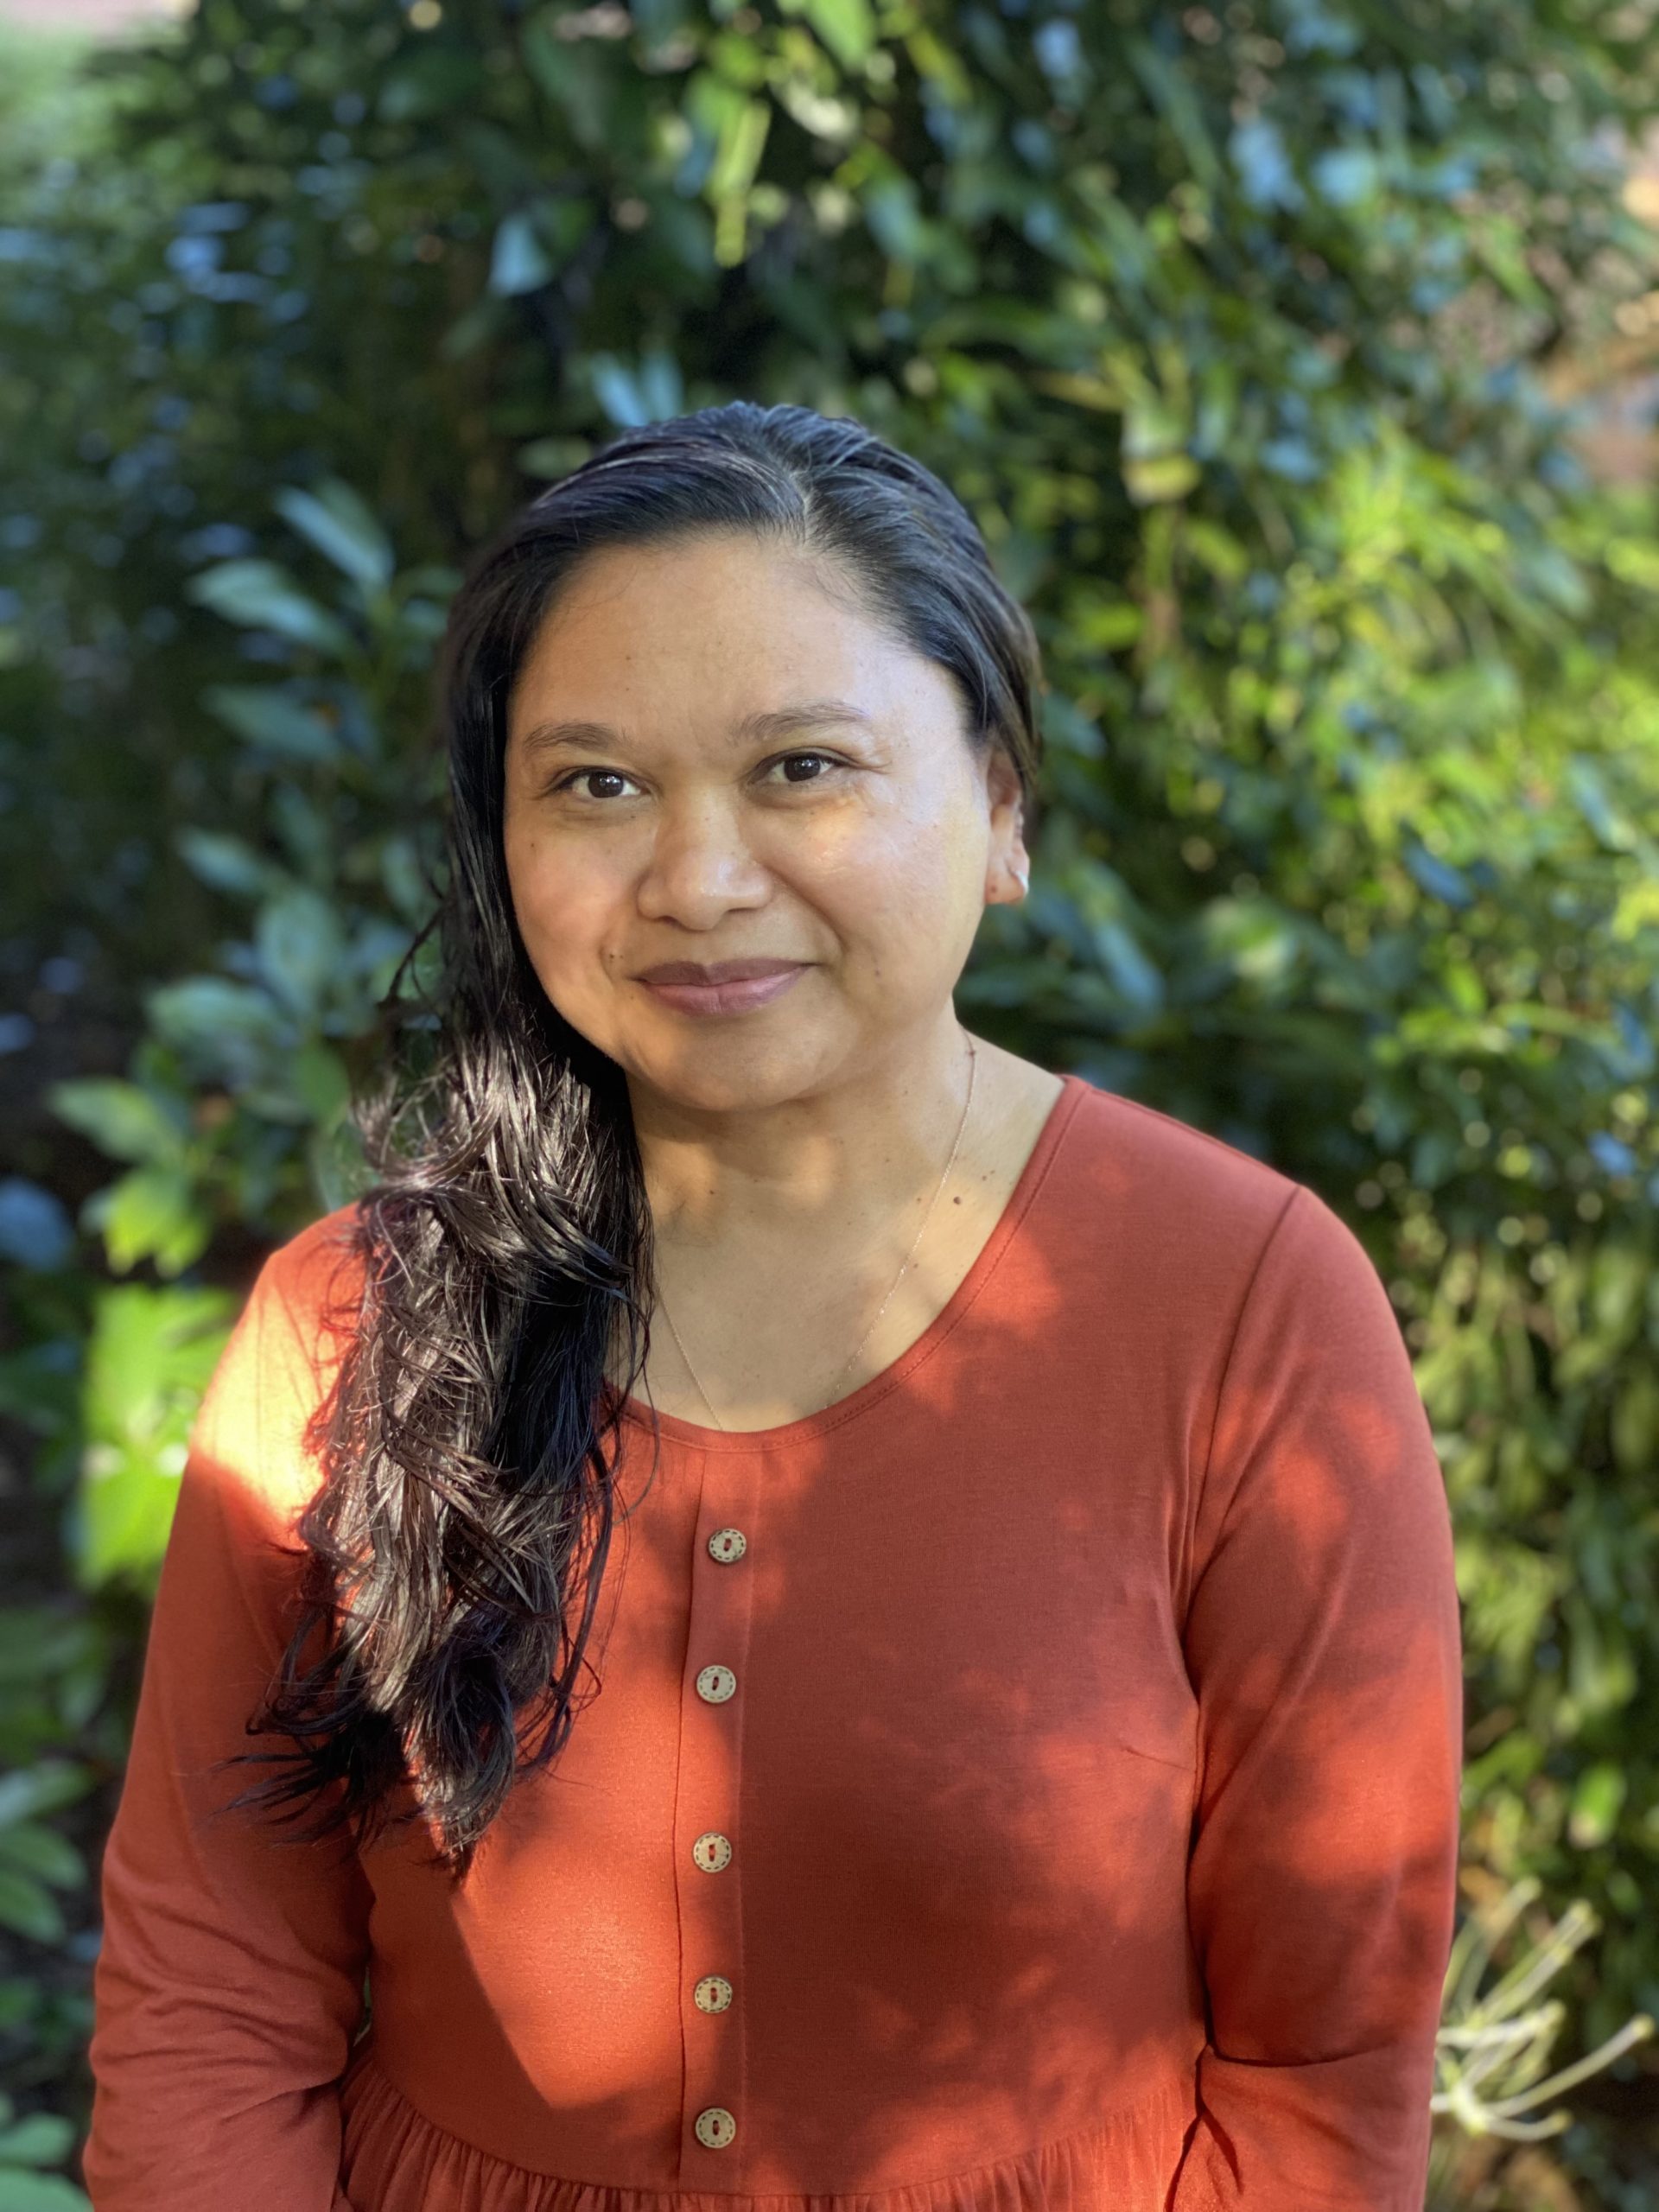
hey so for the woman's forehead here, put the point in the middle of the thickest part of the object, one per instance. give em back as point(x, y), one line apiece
point(646, 650)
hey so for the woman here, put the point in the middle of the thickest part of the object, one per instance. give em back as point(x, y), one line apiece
point(1023, 1761)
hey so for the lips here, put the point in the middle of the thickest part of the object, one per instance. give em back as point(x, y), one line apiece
point(718, 971)
point(743, 993)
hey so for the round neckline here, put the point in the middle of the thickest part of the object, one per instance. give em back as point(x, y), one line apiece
point(805, 1427)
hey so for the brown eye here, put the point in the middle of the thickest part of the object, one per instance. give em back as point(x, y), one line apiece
point(605, 775)
point(828, 758)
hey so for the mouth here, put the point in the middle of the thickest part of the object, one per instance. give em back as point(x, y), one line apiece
point(717, 971)
point(730, 986)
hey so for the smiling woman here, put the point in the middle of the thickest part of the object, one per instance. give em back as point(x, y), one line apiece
point(1026, 1765)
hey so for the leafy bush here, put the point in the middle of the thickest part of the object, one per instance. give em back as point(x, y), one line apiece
point(1226, 329)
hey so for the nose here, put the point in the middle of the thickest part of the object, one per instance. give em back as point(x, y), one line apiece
point(701, 861)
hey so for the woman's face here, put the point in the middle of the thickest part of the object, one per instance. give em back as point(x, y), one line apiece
point(862, 840)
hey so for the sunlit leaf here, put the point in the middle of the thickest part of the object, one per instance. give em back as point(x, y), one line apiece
point(151, 1213)
point(151, 1355)
point(847, 27)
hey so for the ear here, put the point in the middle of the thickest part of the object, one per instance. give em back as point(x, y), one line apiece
point(1007, 871)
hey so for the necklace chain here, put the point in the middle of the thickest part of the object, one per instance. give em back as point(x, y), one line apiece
point(972, 1061)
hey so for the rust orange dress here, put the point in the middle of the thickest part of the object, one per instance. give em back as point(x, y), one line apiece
point(1031, 1780)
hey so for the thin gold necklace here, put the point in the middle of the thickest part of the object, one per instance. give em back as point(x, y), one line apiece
point(972, 1060)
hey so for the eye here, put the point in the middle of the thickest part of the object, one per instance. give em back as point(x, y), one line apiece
point(828, 756)
point(568, 782)
point(615, 775)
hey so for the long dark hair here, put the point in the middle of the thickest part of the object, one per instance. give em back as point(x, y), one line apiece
point(505, 1250)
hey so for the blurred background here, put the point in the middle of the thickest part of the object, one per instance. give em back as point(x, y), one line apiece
point(1299, 361)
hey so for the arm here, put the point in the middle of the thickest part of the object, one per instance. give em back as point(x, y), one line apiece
point(1322, 1637)
point(230, 1978)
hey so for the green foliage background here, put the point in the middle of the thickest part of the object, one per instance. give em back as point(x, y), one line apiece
point(1226, 328)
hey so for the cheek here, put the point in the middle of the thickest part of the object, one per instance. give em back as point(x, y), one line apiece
point(906, 876)
point(558, 901)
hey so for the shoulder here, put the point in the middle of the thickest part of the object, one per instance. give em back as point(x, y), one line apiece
point(1189, 1230)
point(315, 1278)
point(278, 1364)
point(1170, 1185)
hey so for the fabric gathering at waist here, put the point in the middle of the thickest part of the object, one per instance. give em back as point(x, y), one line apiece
point(395, 2159)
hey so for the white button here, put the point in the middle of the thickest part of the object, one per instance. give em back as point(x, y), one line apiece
point(716, 1684)
point(712, 1851)
point(713, 1993)
point(728, 1544)
point(715, 2127)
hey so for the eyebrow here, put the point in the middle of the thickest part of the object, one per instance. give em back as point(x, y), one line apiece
point(758, 728)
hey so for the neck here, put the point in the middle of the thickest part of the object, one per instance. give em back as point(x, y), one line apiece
point(817, 1163)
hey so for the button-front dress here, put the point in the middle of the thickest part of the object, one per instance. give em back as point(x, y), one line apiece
point(1031, 1780)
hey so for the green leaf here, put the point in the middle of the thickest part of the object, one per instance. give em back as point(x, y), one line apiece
point(1611, 825)
point(1255, 939)
point(847, 27)
point(1134, 978)
point(1216, 549)
point(578, 75)
point(1110, 625)
point(226, 863)
point(274, 720)
point(28, 1908)
point(51, 1857)
point(41, 2138)
point(1175, 98)
point(1633, 561)
point(1597, 1802)
point(1635, 1422)
point(1502, 244)
point(22, 2191)
point(123, 1120)
point(226, 1028)
point(1170, 476)
point(321, 1080)
point(37, 1641)
point(37, 1386)
point(737, 156)
point(892, 211)
point(151, 1213)
point(46, 1786)
point(152, 1356)
point(260, 595)
point(299, 947)
point(343, 528)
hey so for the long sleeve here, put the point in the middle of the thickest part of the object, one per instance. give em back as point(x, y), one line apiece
point(230, 1978)
point(1322, 1637)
